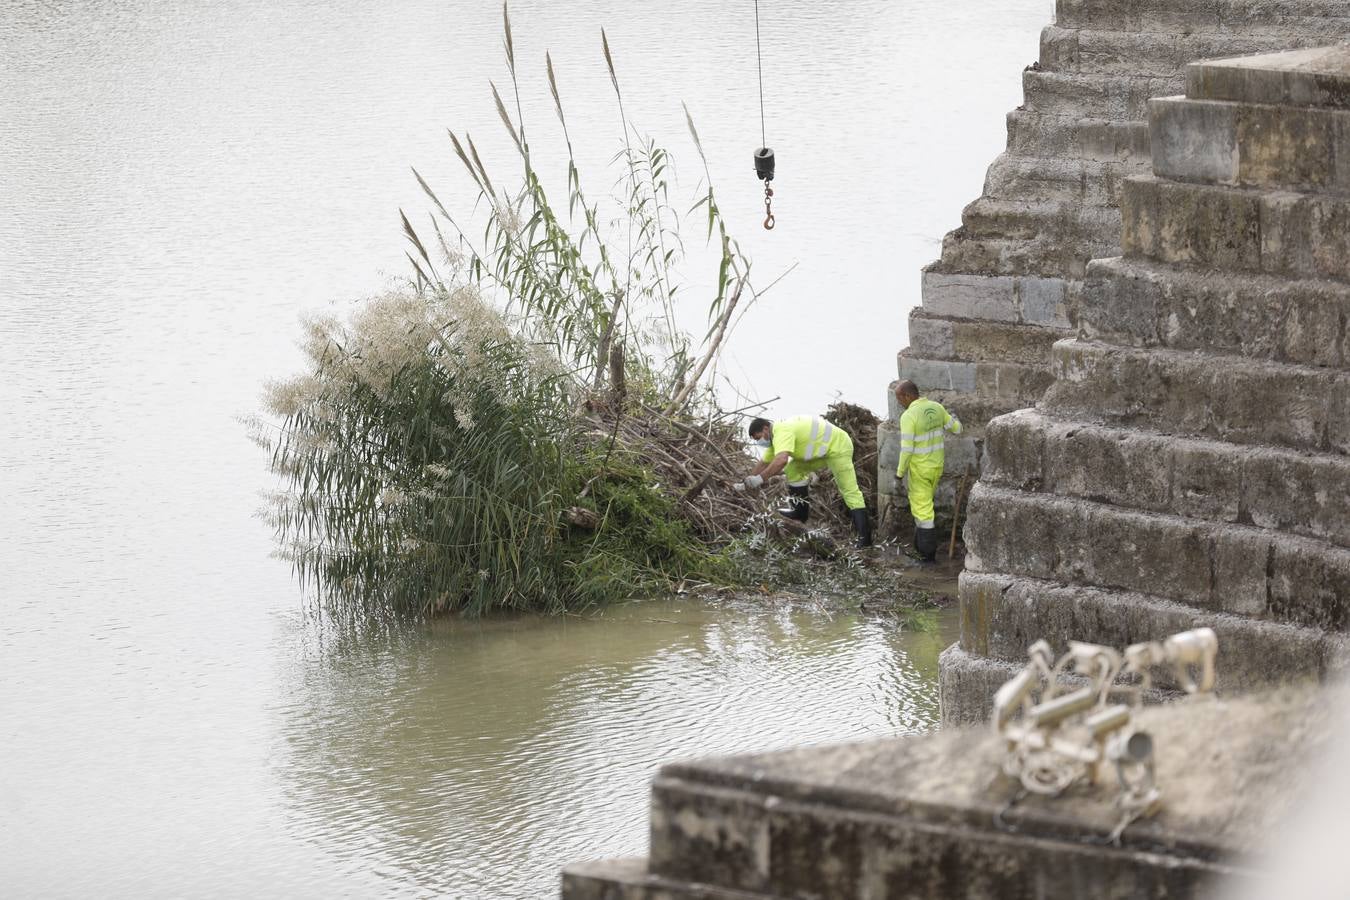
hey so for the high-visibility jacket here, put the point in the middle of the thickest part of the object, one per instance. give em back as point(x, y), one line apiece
point(923, 426)
point(806, 438)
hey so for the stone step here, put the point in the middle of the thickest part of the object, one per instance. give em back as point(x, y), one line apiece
point(1081, 182)
point(1046, 256)
point(1202, 395)
point(1032, 133)
point(1040, 219)
point(629, 879)
point(919, 818)
point(1309, 77)
point(1162, 53)
point(940, 337)
point(1019, 383)
point(1024, 300)
point(1239, 229)
point(1120, 98)
point(1280, 490)
point(1137, 303)
point(1003, 615)
point(1251, 145)
point(1219, 568)
point(1327, 16)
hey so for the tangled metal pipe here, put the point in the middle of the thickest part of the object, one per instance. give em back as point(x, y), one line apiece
point(1058, 734)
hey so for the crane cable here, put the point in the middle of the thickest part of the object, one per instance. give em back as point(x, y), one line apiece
point(764, 161)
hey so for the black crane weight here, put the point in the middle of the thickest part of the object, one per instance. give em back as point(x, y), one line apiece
point(764, 164)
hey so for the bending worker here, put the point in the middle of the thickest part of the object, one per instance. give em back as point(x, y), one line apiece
point(923, 425)
point(799, 446)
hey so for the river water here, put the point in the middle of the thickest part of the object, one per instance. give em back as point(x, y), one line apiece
point(178, 183)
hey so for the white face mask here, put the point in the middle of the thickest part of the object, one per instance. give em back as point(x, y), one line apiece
point(764, 442)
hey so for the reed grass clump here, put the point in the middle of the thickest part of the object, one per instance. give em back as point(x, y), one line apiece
point(436, 461)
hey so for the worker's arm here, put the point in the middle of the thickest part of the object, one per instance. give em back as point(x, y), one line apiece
point(764, 470)
point(952, 425)
point(774, 466)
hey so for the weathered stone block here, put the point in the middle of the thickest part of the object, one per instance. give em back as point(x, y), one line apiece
point(1187, 393)
point(1299, 494)
point(1310, 584)
point(1225, 567)
point(1253, 654)
point(1107, 466)
point(1097, 96)
point(1015, 451)
point(1199, 226)
point(1307, 77)
point(1035, 134)
point(1312, 16)
point(969, 296)
point(1194, 141)
point(1146, 304)
point(716, 836)
point(1203, 480)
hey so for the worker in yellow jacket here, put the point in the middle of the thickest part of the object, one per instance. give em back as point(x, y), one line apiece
point(923, 426)
point(799, 446)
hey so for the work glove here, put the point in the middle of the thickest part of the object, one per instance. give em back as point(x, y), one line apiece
point(754, 481)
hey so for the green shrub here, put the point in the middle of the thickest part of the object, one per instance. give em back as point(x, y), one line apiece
point(430, 457)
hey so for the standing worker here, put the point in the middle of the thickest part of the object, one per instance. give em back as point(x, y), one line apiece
point(923, 426)
point(799, 446)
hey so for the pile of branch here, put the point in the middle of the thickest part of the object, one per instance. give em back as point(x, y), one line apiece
point(701, 463)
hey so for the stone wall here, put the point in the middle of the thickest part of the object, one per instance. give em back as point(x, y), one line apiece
point(1190, 462)
point(1005, 287)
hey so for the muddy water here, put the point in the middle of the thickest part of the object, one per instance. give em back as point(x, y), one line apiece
point(178, 182)
point(474, 760)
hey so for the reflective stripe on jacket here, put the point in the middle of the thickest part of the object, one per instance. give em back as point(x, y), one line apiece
point(923, 428)
point(805, 438)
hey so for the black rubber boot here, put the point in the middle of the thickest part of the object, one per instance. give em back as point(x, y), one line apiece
point(863, 526)
point(798, 506)
point(926, 542)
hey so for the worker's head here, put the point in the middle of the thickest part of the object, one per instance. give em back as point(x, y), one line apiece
point(761, 430)
point(906, 392)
